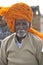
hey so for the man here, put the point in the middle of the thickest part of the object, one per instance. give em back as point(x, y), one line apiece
point(22, 47)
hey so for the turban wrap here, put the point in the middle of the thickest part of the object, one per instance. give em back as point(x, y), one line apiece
point(20, 11)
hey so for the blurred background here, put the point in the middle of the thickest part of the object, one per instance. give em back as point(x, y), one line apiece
point(37, 23)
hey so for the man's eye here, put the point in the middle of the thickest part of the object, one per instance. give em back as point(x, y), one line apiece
point(24, 24)
point(17, 23)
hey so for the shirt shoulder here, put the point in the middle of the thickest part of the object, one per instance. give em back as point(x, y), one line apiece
point(6, 41)
point(37, 41)
point(36, 37)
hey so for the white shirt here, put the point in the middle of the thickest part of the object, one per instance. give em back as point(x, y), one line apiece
point(19, 44)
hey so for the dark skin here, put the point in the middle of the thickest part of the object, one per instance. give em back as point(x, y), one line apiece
point(20, 38)
point(20, 26)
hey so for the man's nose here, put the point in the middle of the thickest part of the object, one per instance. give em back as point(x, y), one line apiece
point(21, 26)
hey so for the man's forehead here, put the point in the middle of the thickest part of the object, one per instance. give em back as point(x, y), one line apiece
point(21, 21)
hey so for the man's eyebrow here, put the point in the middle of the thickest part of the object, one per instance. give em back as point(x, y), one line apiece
point(24, 21)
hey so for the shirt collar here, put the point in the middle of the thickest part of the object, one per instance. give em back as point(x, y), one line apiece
point(17, 43)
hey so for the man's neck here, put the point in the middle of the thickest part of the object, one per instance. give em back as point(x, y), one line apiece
point(20, 38)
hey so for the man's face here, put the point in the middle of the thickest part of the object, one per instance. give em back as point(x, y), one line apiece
point(21, 27)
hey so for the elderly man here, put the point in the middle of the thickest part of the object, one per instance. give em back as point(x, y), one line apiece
point(22, 47)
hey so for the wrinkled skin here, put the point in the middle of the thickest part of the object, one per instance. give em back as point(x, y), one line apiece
point(21, 29)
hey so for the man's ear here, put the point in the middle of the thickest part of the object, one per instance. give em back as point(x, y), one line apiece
point(0, 18)
point(30, 24)
point(15, 26)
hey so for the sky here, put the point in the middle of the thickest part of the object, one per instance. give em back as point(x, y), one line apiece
point(7, 3)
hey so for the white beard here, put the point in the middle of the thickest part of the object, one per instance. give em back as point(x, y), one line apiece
point(21, 33)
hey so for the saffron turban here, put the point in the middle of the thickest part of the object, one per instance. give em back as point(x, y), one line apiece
point(20, 11)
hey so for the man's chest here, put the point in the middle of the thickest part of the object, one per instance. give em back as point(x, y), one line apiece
point(21, 57)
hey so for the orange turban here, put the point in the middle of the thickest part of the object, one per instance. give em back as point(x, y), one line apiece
point(20, 11)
